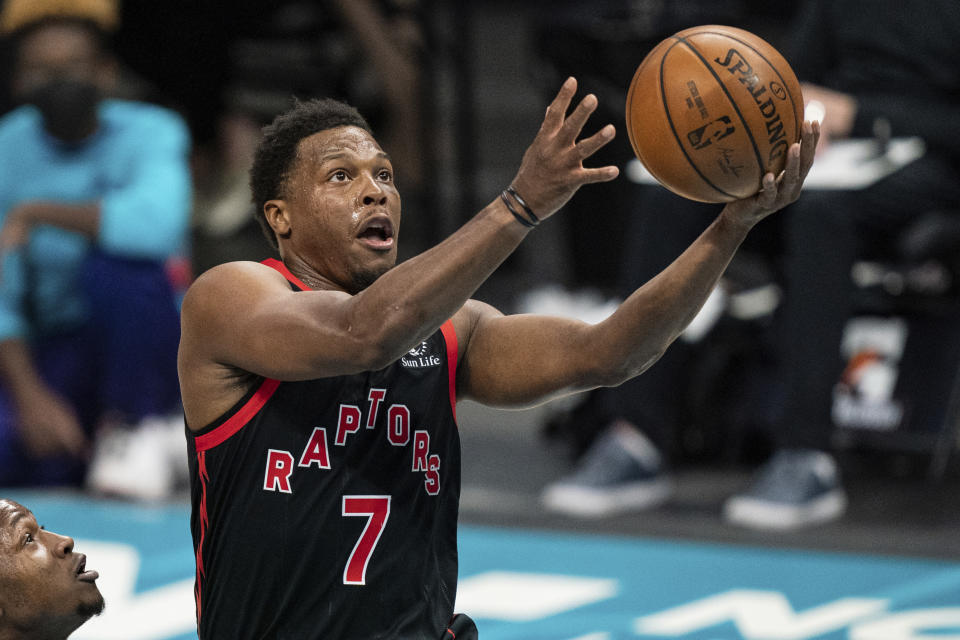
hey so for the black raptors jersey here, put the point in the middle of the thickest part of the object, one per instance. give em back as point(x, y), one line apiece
point(328, 508)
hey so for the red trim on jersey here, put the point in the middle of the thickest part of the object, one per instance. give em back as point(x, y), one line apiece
point(240, 418)
point(450, 337)
point(255, 403)
point(273, 263)
point(204, 521)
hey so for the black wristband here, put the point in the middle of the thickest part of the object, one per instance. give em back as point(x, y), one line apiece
point(523, 203)
point(520, 219)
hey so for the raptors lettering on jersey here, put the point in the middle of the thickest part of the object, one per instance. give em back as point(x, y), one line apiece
point(281, 464)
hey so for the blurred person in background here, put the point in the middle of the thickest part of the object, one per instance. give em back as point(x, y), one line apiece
point(46, 590)
point(872, 65)
point(94, 199)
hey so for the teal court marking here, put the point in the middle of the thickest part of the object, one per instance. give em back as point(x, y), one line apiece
point(549, 586)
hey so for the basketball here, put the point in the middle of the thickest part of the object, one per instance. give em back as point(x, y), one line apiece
point(712, 109)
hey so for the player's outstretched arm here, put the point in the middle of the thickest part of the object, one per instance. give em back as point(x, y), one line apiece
point(525, 359)
point(244, 316)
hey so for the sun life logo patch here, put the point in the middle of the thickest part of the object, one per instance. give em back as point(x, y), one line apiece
point(419, 357)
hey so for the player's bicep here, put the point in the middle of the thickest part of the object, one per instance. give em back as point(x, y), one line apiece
point(523, 360)
point(246, 316)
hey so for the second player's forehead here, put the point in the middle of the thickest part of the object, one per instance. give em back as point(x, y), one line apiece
point(338, 142)
point(12, 515)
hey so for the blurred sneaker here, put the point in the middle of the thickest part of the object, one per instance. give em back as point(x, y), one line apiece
point(795, 488)
point(621, 471)
point(145, 462)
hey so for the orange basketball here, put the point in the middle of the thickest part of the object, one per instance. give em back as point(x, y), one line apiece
point(711, 110)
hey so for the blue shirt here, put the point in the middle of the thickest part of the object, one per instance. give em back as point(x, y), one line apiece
point(135, 166)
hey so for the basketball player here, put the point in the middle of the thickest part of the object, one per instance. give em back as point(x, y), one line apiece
point(320, 389)
point(46, 591)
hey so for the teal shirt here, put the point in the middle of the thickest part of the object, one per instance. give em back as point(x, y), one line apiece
point(136, 166)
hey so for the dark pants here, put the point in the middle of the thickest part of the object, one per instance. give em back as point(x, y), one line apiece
point(121, 363)
point(814, 242)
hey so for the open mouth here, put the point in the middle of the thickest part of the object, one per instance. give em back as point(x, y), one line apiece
point(82, 574)
point(377, 233)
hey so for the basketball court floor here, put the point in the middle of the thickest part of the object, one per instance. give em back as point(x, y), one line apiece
point(890, 570)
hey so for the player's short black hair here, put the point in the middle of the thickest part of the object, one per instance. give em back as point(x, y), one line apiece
point(277, 150)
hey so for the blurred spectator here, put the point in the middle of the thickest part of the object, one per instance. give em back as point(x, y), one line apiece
point(94, 200)
point(878, 67)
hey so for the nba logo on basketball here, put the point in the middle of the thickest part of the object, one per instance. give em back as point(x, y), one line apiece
point(704, 136)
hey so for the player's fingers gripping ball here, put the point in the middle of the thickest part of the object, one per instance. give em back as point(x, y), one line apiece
point(712, 109)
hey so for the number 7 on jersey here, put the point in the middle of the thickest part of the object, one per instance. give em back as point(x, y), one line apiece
point(377, 510)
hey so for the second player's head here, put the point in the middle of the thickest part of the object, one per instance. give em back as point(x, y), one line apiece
point(46, 591)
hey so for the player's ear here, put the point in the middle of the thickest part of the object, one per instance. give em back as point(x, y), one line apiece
point(278, 217)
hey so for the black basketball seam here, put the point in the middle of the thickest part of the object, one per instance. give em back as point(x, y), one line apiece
point(630, 97)
point(673, 130)
point(629, 113)
point(733, 103)
point(783, 83)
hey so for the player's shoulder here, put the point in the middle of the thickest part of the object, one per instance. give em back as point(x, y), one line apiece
point(230, 282)
point(239, 271)
point(468, 317)
point(475, 310)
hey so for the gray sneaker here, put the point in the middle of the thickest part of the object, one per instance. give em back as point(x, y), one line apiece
point(795, 488)
point(621, 471)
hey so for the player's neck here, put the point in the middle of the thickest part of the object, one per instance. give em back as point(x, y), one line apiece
point(307, 274)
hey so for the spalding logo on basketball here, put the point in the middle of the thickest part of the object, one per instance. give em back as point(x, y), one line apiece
point(712, 109)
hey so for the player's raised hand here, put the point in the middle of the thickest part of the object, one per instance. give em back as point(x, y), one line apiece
point(552, 168)
point(778, 192)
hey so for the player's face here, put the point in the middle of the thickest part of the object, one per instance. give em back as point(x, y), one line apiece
point(43, 584)
point(344, 208)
